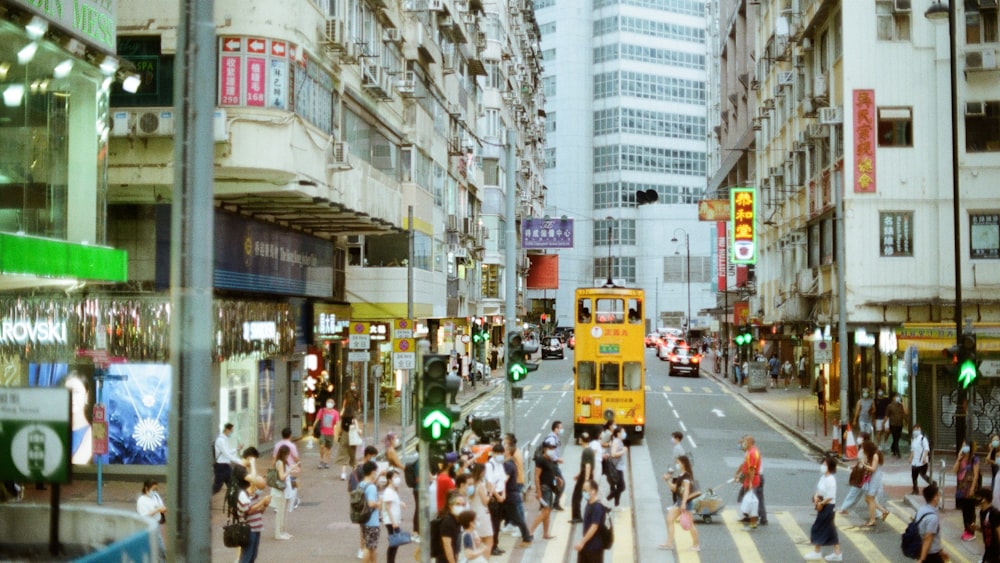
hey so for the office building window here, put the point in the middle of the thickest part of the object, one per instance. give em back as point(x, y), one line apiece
point(892, 25)
point(895, 127)
point(622, 268)
point(982, 126)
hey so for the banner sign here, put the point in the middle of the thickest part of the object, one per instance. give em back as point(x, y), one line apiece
point(743, 216)
point(721, 257)
point(253, 72)
point(864, 141)
point(713, 210)
point(896, 229)
point(546, 233)
point(543, 272)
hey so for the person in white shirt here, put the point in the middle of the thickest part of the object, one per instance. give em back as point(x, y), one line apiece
point(392, 509)
point(824, 529)
point(920, 452)
point(150, 505)
point(496, 485)
point(225, 457)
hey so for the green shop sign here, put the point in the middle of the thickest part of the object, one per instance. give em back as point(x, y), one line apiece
point(90, 21)
point(34, 434)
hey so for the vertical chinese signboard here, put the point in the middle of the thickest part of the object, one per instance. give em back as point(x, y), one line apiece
point(743, 215)
point(720, 255)
point(864, 141)
point(253, 72)
point(896, 233)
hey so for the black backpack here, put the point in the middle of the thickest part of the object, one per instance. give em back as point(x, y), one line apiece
point(912, 542)
point(437, 550)
point(411, 472)
point(360, 510)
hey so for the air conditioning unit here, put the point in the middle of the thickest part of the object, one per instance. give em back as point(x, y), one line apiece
point(831, 115)
point(154, 123)
point(219, 132)
point(339, 156)
point(435, 5)
point(452, 223)
point(901, 6)
point(819, 86)
point(391, 35)
point(777, 171)
point(333, 36)
point(407, 85)
point(785, 77)
point(980, 59)
point(122, 124)
point(815, 131)
point(975, 108)
point(448, 63)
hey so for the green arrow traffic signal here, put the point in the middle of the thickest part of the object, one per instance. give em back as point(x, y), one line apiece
point(967, 361)
point(966, 373)
point(517, 372)
point(433, 424)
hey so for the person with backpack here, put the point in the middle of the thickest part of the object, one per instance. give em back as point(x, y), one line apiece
point(364, 505)
point(446, 534)
point(989, 525)
point(824, 529)
point(590, 548)
point(926, 528)
point(920, 458)
point(354, 481)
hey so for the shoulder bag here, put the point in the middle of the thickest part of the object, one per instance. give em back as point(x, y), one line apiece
point(273, 481)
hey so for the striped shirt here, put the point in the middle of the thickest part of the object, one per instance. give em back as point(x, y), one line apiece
point(256, 519)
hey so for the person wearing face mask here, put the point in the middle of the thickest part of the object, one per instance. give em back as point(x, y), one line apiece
point(479, 498)
point(590, 548)
point(352, 398)
point(545, 483)
point(450, 531)
point(392, 509)
point(872, 487)
point(896, 416)
point(326, 419)
point(390, 444)
point(445, 477)
point(967, 474)
point(920, 456)
point(496, 485)
point(989, 525)
point(616, 456)
point(683, 486)
point(994, 456)
point(554, 438)
point(587, 462)
point(824, 529)
point(881, 424)
point(347, 455)
point(863, 412)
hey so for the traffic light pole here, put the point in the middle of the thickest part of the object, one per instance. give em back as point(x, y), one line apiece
point(423, 459)
point(510, 263)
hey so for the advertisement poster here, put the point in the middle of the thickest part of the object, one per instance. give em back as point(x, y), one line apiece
point(79, 380)
point(138, 413)
point(265, 401)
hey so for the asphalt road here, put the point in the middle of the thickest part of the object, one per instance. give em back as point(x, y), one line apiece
point(713, 420)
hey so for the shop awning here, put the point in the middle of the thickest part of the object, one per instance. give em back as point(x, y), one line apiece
point(27, 261)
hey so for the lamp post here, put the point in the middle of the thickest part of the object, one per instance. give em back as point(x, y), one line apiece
point(939, 12)
point(611, 221)
point(687, 248)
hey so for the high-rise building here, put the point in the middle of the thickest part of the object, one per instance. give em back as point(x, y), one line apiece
point(625, 102)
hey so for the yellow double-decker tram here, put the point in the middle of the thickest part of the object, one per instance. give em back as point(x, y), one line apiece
point(609, 374)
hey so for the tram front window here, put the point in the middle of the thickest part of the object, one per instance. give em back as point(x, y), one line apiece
point(609, 377)
point(585, 379)
point(632, 381)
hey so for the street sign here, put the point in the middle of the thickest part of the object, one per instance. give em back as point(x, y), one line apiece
point(355, 356)
point(99, 430)
point(359, 338)
point(404, 360)
point(990, 368)
point(402, 328)
point(35, 440)
point(822, 352)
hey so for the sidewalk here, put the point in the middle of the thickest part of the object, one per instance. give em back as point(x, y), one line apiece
point(321, 525)
point(796, 410)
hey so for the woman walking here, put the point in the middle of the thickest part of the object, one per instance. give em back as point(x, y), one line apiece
point(617, 465)
point(967, 473)
point(824, 530)
point(281, 496)
point(346, 453)
point(683, 486)
point(479, 504)
point(873, 483)
point(392, 510)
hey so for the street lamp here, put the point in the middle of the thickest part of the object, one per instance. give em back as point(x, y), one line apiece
point(939, 12)
point(687, 248)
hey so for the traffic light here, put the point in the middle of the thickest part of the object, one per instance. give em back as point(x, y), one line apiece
point(744, 338)
point(478, 332)
point(436, 416)
point(968, 364)
point(517, 364)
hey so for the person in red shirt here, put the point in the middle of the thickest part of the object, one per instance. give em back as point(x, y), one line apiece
point(750, 477)
point(445, 481)
point(326, 419)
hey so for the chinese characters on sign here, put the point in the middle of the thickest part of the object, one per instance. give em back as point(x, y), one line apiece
point(896, 233)
point(547, 233)
point(743, 213)
point(253, 72)
point(984, 235)
point(864, 141)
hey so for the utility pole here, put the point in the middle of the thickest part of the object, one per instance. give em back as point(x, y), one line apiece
point(510, 261)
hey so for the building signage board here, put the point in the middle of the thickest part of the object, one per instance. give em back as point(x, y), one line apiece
point(822, 352)
point(94, 22)
point(713, 210)
point(402, 328)
point(721, 256)
point(34, 434)
point(404, 354)
point(547, 233)
point(864, 141)
point(984, 235)
point(744, 215)
point(254, 72)
point(896, 233)
point(359, 338)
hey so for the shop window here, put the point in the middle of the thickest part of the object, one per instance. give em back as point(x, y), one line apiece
point(892, 25)
point(982, 126)
point(155, 69)
point(895, 127)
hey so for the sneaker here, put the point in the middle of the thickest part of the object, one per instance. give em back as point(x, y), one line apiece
point(343, 476)
point(361, 554)
point(966, 536)
point(297, 503)
point(749, 527)
point(834, 557)
point(813, 556)
point(497, 551)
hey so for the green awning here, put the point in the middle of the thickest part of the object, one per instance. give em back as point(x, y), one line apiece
point(48, 258)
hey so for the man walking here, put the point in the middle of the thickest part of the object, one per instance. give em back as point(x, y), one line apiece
point(863, 412)
point(930, 526)
point(773, 366)
point(751, 477)
point(881, 424)
point(920, 451)
point(225, 457)
point(895, 417)
point(326, 419)
point(587, 459)
point(513, 502)
point(553, 441)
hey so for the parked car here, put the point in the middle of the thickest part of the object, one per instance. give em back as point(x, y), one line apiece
point(684, 360)
point(552, 347)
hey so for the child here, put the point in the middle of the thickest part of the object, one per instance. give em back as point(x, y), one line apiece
point(474, 549)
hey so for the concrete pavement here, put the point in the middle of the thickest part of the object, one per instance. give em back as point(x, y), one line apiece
point(797, 411)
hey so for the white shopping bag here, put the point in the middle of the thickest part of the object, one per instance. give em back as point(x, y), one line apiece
point(749, 504)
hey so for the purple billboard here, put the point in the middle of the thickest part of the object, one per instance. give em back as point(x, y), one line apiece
point(547, 233)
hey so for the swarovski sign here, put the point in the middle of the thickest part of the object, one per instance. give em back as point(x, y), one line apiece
point(34, 332)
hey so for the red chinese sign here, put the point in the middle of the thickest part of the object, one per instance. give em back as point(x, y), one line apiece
point(229, 81)
point(864, 141)
point(720, 254)
point(741, 313)
point(255, 81)
point(99, 430)
point(743, 214)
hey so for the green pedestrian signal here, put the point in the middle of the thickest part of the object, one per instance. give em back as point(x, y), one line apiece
point(478, 332)
point(434, 423)
point(517, 358)
point(968, 364)
point(436, 416)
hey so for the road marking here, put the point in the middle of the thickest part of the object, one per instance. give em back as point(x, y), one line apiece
point(681, 423)
point(535, 439)
point(546, 387)
point(666, 388)
point(545, 424)
point(563, 394)
point(677, 416)
point(718, 413)
point(690, 439)
point(648, 388)
point(792, 529)
point(859, 539)
point(707, 390)
point(686, 389)
point(956, 551)
point(623, 548)
point(526, 388)
point(745, 545)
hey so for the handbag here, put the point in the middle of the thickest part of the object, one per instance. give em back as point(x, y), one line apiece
point(686, 521)
point(857, 477)
point(399, 538)
point(273, 481)
point(236, 534)
point(353, 436)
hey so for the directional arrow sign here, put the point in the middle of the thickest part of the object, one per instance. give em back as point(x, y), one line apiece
point(719, 413)
point(437, 422)
point(966, 373)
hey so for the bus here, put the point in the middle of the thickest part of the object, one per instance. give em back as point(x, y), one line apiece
point(609, 372)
